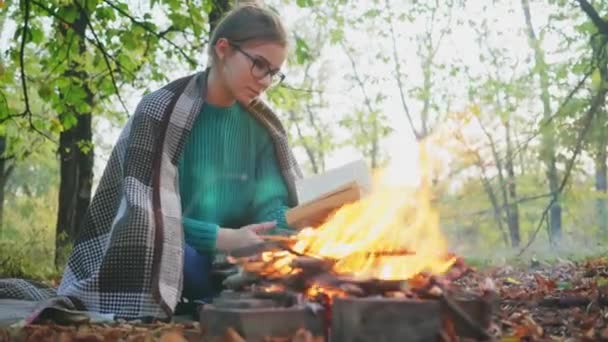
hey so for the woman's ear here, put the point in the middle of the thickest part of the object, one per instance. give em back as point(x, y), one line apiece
point(221, 48)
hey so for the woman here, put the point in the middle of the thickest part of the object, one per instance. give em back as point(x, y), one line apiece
point(201, 158)
point(229, 175)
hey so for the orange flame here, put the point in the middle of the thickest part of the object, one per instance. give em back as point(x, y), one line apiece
point(392, 234)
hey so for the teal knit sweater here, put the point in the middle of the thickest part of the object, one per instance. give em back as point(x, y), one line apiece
point(229, 176)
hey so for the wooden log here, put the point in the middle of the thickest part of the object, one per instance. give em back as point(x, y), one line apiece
point(385, 319)
point(311, 264)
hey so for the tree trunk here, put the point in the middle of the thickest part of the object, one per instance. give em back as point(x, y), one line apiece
point(513, 219)
point(547, 153)
point(502, 185)
point(76, 165)
point(497, 209)
point(2, 179)
point(600, 185)
point(601, 169)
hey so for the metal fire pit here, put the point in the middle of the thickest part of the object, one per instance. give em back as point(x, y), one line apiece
point(256, 316)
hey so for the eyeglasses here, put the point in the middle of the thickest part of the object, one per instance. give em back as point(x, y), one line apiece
point(260, 68)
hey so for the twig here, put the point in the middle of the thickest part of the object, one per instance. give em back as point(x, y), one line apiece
point(417, 134)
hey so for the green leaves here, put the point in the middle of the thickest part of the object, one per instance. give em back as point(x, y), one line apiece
point(596, 79)
point(305, 3)
point(302, 51)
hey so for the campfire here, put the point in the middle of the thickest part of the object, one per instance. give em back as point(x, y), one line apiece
point(390, 238)
point(385, 250)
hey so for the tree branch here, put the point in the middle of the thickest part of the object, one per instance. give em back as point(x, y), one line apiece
point(524, 144)
point(63, 20)
point(595, 104)
point(601, 24)
point(105, 54)
point(415, 131)
point(26, 98)
point(145, 27)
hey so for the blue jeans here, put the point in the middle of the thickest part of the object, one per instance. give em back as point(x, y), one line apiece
point(197, 275)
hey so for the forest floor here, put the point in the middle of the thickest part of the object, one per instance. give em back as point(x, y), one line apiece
point(561, 301)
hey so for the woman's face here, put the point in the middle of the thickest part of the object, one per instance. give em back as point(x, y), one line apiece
point(249, 69)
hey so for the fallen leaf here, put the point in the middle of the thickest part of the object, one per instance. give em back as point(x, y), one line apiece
point(545, 284)
point(512, 281)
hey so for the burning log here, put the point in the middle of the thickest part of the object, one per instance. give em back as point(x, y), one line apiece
point(312, 265)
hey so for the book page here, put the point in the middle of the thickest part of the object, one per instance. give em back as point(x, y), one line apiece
point(312, 187)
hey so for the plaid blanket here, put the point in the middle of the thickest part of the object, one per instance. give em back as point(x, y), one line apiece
point(128, 259)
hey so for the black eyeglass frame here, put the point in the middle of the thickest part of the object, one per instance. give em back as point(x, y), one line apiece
point(255, 64)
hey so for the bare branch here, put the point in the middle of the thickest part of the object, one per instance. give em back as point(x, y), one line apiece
point(415, 131)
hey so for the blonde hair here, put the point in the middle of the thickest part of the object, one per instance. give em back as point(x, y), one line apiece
point(248, 22)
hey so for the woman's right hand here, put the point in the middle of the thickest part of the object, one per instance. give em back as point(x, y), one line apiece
point(229, 239)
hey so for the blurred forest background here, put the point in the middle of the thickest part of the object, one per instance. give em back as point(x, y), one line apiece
point(516, 90)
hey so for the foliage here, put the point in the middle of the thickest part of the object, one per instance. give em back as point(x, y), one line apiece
point(360, 74)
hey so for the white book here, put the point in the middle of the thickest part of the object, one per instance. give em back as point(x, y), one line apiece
point(319, 185)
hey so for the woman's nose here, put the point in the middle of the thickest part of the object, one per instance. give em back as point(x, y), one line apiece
point(266, 81)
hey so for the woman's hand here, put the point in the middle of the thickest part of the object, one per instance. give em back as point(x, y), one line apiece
point(229, 239)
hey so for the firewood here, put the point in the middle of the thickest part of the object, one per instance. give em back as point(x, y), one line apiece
point(240, 280)
point(352, 290)
point(312, 264)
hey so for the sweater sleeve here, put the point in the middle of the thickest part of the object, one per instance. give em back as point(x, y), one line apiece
point(271, 197)
point(200, 235)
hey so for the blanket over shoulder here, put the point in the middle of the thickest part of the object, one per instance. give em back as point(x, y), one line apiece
point(128, 259)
